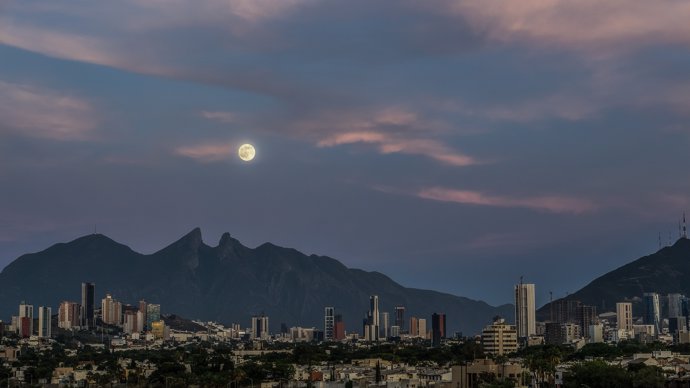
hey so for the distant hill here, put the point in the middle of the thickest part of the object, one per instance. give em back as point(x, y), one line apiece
point(666, 271)
point(226, 283)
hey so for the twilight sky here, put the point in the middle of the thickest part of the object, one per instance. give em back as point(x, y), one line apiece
point(453, 145)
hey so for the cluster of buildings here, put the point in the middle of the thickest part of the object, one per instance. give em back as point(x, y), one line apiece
point(376, 326)
point(146, 317)
point(573, 322)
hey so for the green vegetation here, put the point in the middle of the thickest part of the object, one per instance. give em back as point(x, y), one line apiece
point(599, 374)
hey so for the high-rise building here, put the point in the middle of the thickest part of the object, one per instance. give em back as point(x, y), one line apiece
point(111, 311)
point(675, 305)
point(373, 324)
point(26, 320)
point(585, 316)
point(153, 314)
point(438, 328)
point(564, 310)
point(624, 316)
point(652, 314)
point(88, 298)
point(260, 327)
point(69, 315)
point(133, 321)
point(422, 327)
point(414, 327)
point(339, 328)
point(143, 308)
point(561, 333)
point(329, 324)
point(400, 318)
point(499, 338)
point(385, 325)
point(44, 322)
point(525, 310)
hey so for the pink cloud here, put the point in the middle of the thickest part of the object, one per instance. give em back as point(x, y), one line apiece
point(206, 152)
point(44, 113)
point(390, 144)
point(554, 204)
point(580, 24)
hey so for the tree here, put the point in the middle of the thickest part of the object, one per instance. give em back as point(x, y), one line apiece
point(542, 362)
point(597, 374)
point(648, 377)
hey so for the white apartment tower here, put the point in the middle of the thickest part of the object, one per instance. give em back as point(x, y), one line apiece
point(624, 316)
point(329, 324)
point(525, 310)
point(385, 327)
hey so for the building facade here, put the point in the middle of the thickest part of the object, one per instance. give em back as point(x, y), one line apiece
point(499, 338)
point(525, 310)
point(329, 324)
point(88, 298)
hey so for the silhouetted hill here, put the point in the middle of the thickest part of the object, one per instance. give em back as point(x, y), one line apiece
point(227, 283)
point(666, 271)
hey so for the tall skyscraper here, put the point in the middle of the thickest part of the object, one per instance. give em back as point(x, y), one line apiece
point(438, 328)
point(373, 323)
point(153, 314)
point(675, 305)
point(422, 327)
point(111, 311)
point(143, 309)
point(624, 316)
point(652, 314)
point(385, 325)
point(26, 319)
point(400, 318)
point(69, 315)
point(525, 310)
point(339, 328)
point(88, 292)
point(414, 327)
point(44, 321)
point(329, 324)
point(260, 327)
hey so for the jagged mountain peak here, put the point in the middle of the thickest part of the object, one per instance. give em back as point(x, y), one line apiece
point(226, 283)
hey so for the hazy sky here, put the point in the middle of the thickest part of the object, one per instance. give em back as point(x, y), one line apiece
point(453, 145)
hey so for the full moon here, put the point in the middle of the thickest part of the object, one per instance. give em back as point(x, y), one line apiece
point(246, 152)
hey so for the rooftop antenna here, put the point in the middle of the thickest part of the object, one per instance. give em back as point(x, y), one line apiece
point(551, 304)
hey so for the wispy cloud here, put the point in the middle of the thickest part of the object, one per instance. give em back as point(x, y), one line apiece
point(206, 152)
point(220, 116)
point(392, 130)
point(580, 24)
point(44, 113)
point(550, 203)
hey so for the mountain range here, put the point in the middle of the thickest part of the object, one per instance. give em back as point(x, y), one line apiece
point(227, 283)
point(665, 271)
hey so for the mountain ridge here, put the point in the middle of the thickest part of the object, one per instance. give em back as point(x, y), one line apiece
point(664, 271)
point(228, 282)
